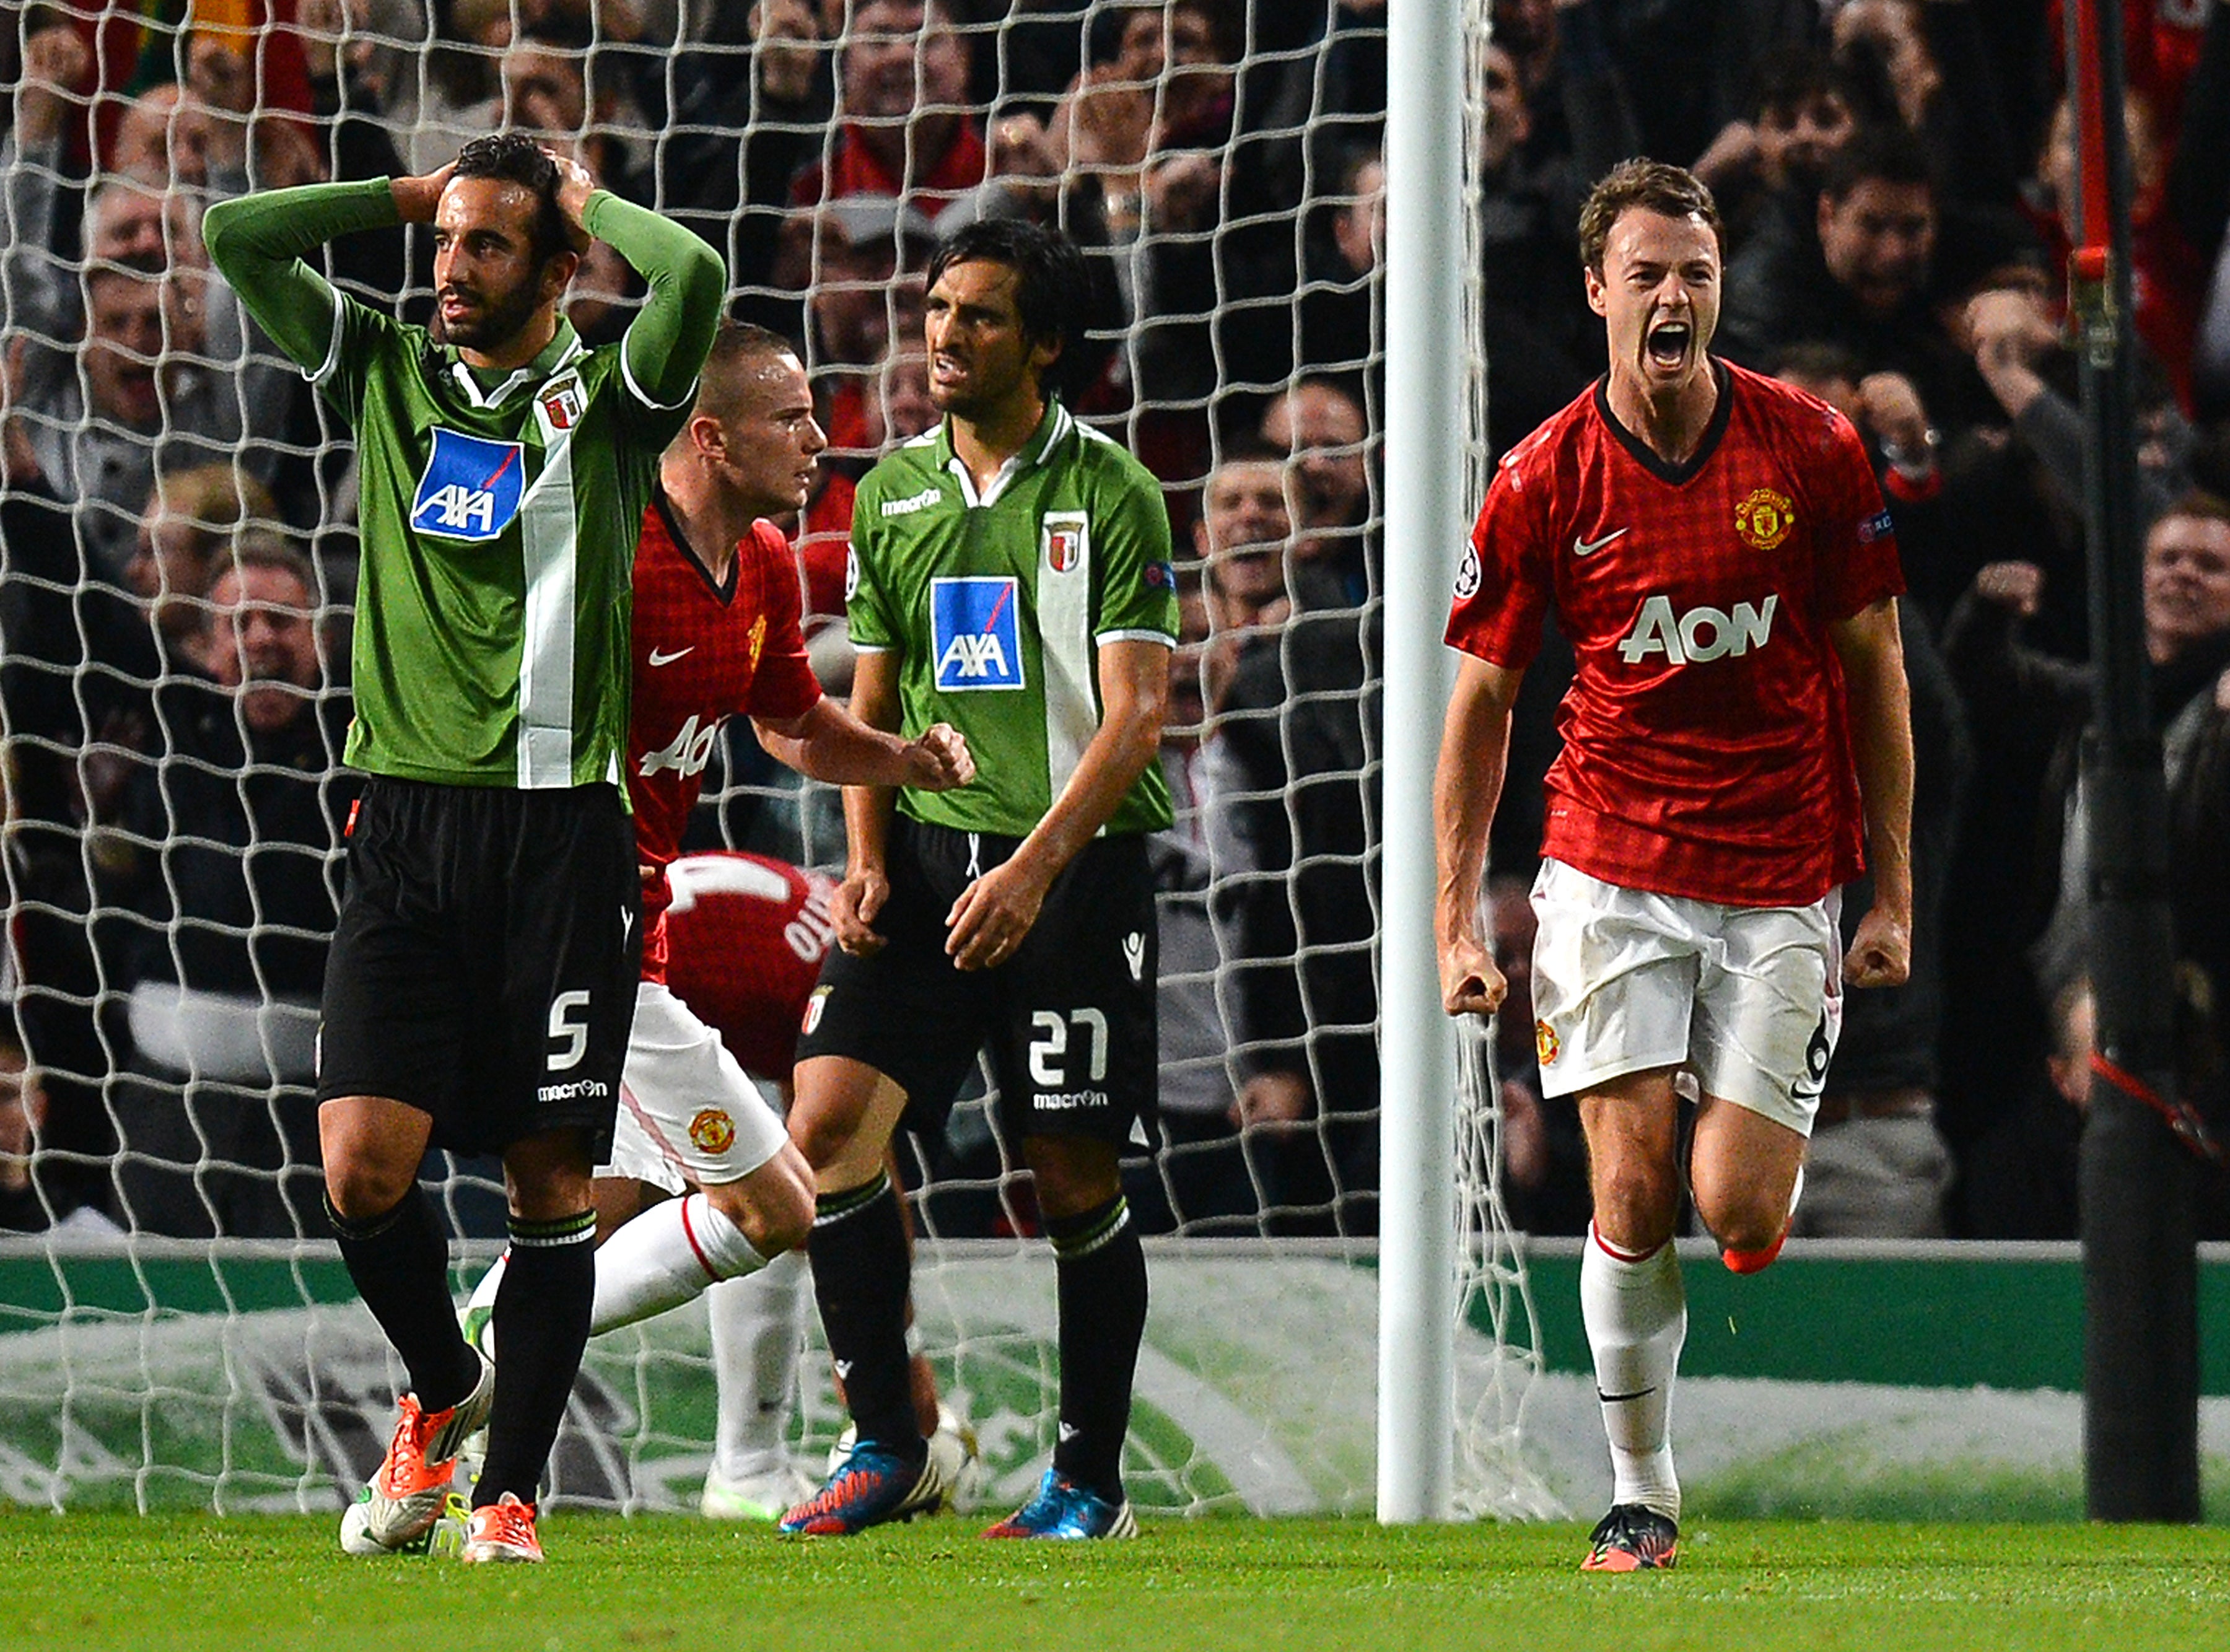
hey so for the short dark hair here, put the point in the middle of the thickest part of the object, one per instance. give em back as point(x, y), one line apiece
point(1653, 186)
point(1052, 285)
point(1882, 152)
point(516, 158)
point(735, 346)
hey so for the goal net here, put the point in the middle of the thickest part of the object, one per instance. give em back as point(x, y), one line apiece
point(174, 1327)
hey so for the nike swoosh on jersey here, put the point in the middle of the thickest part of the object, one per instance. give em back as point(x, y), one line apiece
point(1588, 547)
point(660, 658)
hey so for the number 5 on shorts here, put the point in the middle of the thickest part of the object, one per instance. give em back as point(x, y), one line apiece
point(569, 1030)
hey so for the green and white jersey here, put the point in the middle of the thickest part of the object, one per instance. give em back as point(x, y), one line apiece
point(498, 514)
point(997, 604)
point(499, 527)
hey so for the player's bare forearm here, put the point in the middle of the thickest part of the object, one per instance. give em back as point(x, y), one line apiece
point(1134, 694)
point(1873, 654)
point(993, 913)
point(829, 744)
point(874, 705)
point(1881, 742)
point(1466, 789)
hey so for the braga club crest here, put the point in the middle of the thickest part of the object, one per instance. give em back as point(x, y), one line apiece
point(470, 488)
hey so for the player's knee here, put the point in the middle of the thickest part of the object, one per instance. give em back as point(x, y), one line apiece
point(1635, 1206)
point(1747, 1220)
point(363, 1189)
point(773, 1206)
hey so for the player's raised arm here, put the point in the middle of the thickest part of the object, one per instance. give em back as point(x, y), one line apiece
point(258, 241)
point(1873, 655)
point(1467, 788)
point(989, 920)
point(669, 339)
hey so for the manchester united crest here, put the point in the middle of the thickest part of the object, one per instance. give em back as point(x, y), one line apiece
point(1544, 1043)
point(712, 1129)
point(1764, 518)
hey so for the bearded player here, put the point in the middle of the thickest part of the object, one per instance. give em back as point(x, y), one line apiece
point(1738, 744)
point(717, 613)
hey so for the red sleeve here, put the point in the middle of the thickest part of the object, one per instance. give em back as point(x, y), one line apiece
point(1502, 586)
point(783, 686)
point(1859, 563)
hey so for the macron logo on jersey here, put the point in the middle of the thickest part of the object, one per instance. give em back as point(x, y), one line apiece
point(1699, 636)
point(974, 633)
point(471, 489)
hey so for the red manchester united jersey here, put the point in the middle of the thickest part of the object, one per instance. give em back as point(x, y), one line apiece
point(746, 937)
point(702, 651)
point(1707, 748)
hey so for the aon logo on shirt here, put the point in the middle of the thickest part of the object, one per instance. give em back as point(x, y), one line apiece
point(688, 752)
point(1700, 635)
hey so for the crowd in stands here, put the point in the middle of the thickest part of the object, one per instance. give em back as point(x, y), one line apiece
point(1896, 179)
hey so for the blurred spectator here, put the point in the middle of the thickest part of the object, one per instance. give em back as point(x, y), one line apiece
point(2021, 701)
point(1320, 425)
point(1199, 1180)
point(2019, 1180)
point(1342, 295)
point(2167, 280)
point(1933, 65)
point(547, 91)
point(1864, 286)
point(1542, 344)
point(227, 901)
point(1292, 757)
point(1243, 536)
point(26, 1205)
point(751, 105)
point(1213, 274)
point(905, 127)
point(1765, 170)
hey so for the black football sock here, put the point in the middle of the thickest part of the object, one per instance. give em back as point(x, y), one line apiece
point(400, 1261)
point(860, 1279)
point(541, 1325)
point(1102, 1272)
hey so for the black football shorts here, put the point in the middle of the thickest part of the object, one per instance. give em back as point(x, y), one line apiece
point(484, 967)
point(1069, 1019)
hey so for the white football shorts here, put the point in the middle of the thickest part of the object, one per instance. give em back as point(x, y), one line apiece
point(687, 1109)
point(1748, 999)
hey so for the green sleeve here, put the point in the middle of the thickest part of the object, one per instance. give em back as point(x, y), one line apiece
point(1139, 590)
point(257, 242)
point(667, 342)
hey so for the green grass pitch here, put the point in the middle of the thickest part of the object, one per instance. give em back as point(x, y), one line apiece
point(87, 1582)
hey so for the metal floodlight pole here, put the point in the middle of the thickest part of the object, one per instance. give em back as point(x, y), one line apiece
point(1425, 521)
point(2140, 1268)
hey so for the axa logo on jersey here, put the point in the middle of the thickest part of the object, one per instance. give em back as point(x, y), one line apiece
point(470, 488)
point(1700, 635)
point(974, 633)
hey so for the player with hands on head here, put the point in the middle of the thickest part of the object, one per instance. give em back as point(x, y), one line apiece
point(482, 976)
point(1738, 744)
point(1010, 572)
point(717, 632)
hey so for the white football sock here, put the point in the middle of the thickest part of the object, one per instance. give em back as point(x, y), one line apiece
point(758, 1327)
point(665, 1257)
point(1637, 1316)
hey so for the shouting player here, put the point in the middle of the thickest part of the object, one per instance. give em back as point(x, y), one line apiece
point(716, 612)
point(1737, 739)
point(481, 977)
point(1011, 572)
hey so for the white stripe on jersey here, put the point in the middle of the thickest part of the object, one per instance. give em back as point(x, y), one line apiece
point(1068, 658)
point(547, 524)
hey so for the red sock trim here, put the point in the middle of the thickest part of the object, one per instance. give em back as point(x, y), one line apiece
point(1612, 1251)
point(689, 1233)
